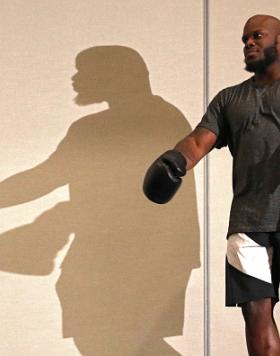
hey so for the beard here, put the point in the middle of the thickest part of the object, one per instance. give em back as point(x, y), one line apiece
point(81, 100)
point(260, 66)
point(84, 99)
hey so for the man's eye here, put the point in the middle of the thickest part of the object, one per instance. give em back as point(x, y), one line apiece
point(258, 35)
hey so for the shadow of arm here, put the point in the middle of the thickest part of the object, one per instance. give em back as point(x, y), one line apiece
point(31, 184)
point(31, 249)
point(40, 180)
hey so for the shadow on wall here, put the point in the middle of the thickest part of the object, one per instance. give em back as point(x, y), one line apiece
point(123, 281)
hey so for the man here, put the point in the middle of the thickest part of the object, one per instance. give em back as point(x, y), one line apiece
point(246, 118)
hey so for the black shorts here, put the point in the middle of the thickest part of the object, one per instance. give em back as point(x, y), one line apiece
point(252, 267)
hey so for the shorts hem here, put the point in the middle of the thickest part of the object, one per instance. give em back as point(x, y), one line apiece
point(240, 303)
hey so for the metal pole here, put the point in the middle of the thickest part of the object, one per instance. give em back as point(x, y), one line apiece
point(206, 184)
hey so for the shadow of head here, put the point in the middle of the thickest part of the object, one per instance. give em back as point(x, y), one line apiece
point(106, 72)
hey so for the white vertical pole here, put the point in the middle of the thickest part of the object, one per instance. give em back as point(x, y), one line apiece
point(206, 184)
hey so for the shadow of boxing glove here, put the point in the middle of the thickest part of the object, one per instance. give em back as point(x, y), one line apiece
point(163, 178)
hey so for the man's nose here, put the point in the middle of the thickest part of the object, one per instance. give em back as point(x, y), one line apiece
point(250, 42)
point(74, 76)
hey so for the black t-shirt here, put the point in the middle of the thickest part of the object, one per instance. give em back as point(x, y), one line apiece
point(246, 118)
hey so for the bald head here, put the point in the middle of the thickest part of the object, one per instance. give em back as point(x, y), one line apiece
point(265, 21)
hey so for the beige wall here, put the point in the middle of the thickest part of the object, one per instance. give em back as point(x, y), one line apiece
point(40, 40)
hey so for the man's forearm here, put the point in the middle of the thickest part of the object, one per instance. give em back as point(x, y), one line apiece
point(196, 145)
point(189, 150)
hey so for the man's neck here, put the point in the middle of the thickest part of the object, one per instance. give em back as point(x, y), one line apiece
point(269, 76)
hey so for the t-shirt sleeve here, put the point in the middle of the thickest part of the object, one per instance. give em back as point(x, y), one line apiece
point(214, 120)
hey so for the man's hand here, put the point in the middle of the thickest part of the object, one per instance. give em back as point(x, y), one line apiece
point(163, 178)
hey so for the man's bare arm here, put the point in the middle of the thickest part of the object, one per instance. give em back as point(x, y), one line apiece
point(196, 145)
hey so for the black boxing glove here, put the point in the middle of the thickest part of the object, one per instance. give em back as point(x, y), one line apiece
point(163, 178)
